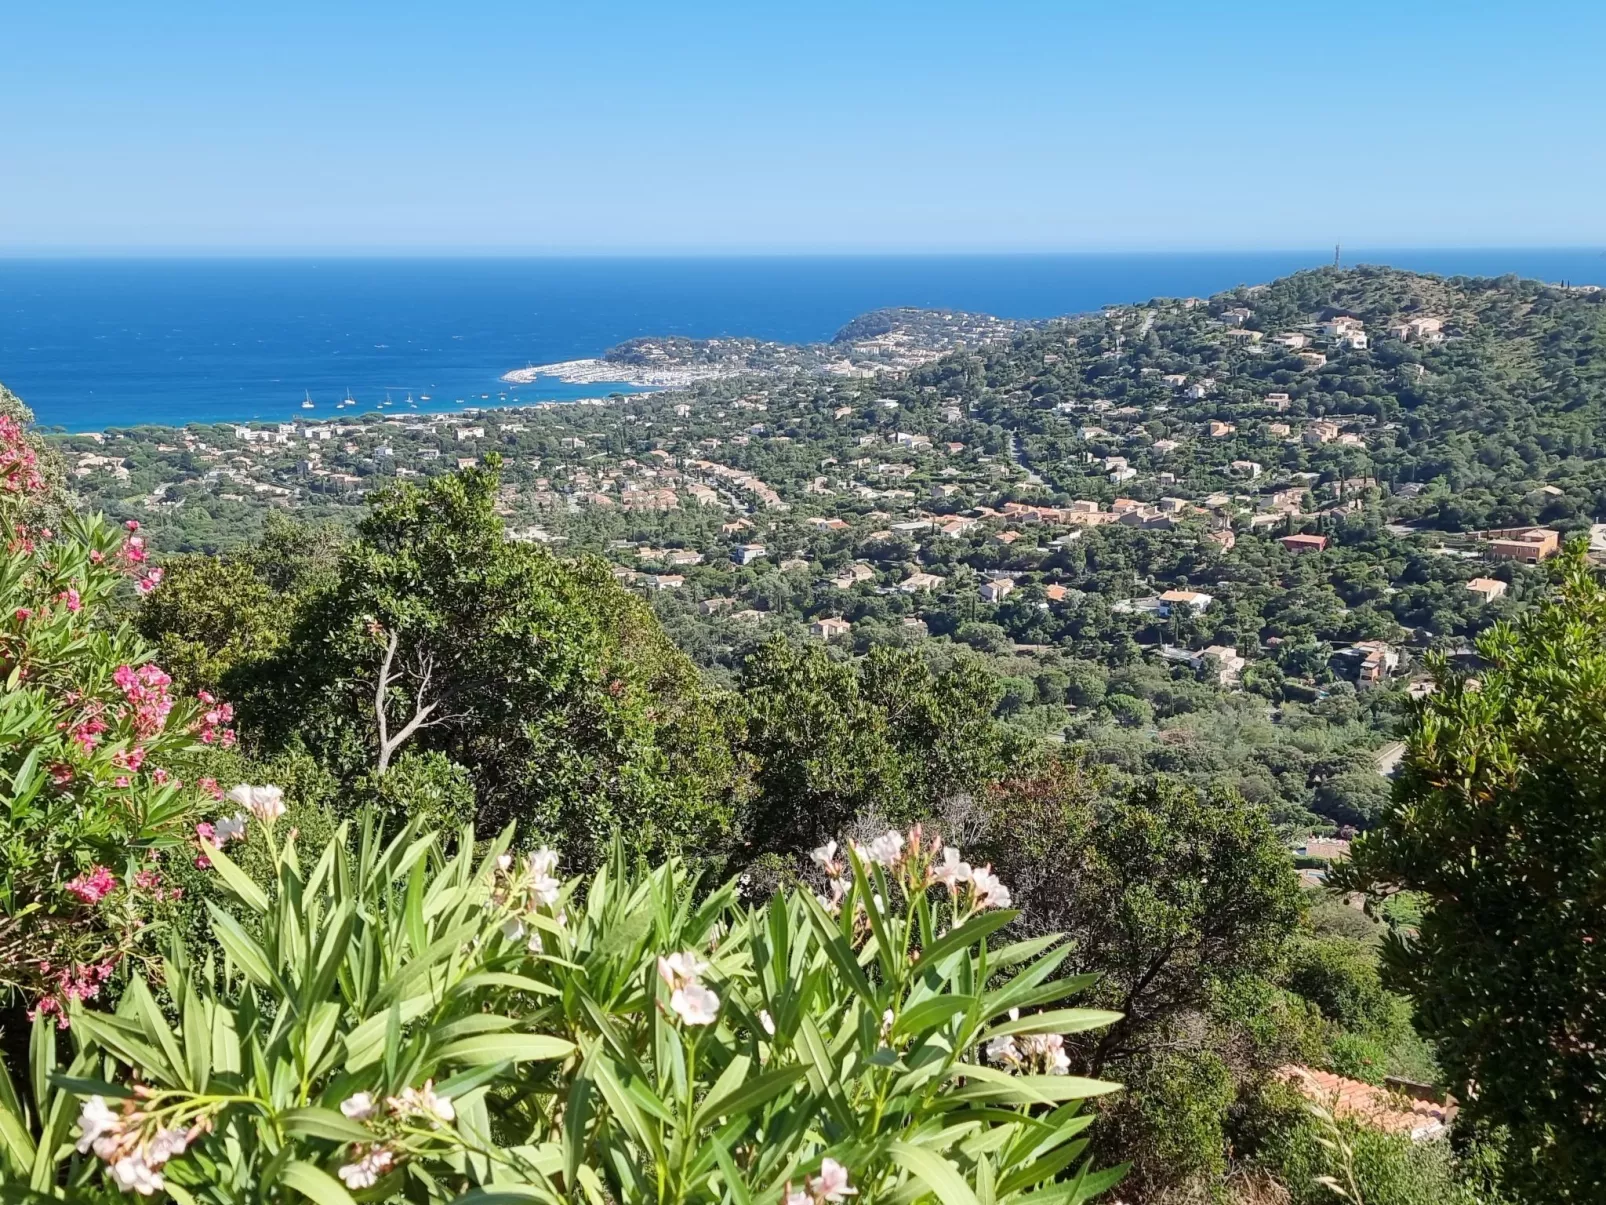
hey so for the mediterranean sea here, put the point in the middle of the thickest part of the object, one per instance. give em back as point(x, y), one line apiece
point(91, 344)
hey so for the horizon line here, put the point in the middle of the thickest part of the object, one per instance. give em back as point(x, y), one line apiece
point(305, 253)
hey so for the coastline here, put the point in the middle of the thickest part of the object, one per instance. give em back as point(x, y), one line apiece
point(605, 372)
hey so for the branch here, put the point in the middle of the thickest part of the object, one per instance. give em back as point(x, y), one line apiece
point(424, 709)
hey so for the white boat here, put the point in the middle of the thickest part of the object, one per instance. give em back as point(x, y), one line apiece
point(350, 401)
point(307, 405)
point(423, 397)
point(409, 400)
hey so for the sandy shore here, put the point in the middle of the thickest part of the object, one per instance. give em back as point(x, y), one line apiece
point(604, 372)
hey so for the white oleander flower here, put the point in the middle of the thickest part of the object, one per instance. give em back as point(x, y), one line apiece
point(97, 1120)
point(359, 1106)
point(365, 1172)
point(832, 1182)
point(990, 893)
point(678, 970)
point(132, 1173)
point(951, 871)
point(695, 1004)
point(265, 803)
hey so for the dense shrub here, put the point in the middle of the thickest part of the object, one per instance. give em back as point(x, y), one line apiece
point(438, 1020)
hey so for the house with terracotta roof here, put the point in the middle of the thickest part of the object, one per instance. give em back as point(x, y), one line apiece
point(1191, 600)
point(1304, 543)
point(1487, 588)
point(1531, 544)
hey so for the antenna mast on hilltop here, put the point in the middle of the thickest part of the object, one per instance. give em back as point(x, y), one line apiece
point(1337, 247)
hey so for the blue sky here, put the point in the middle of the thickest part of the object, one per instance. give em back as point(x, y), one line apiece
point(492, 126)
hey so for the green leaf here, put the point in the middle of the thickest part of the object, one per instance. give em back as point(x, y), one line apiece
point(235, 879)
point(315, 1184)
point(935, 1172)
point(506, 1048)
point(1059, 1020)
point(968, 934)
point(241, 949)
point(317, 1122)
point(156, 1030)
point(734, 1179)
point(988, 1083)
point(750, 1094)
point(931, 1014)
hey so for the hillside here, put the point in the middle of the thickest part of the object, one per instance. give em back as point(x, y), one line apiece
point(1133, 605)
point(1097, 506)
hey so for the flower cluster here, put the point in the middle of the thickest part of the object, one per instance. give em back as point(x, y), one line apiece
point(413, 1107)
point(689, 1000)
point(70, 983)
point(19, 463)
point(213, 726)
point(830, 1185)
point(133, 1144)
point(93, 885)
point(526, 886)
point(145, 690)
point(1041, 1053)
point(917, 864)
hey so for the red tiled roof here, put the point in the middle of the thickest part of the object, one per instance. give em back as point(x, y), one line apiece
point(1378, 1108)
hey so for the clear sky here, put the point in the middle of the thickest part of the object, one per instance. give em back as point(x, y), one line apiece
point(588, 126)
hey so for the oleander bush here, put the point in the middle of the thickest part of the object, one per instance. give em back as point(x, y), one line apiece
point(98, 753)
point(430, 1018)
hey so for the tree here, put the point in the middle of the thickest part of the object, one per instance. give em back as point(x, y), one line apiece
point(554, 688)
point(1170, 892)
point(1499, 821)
point(832, 742)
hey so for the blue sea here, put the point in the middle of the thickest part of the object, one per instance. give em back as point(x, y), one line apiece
point(91, 344)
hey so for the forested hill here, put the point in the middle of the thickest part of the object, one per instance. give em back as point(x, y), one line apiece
point(1463, 398)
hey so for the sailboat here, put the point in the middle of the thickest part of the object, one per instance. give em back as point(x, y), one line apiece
point(409, 399)
point(307, 405)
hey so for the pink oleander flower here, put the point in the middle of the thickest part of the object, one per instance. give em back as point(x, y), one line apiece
point(210, 787)
point(132, 525)
point(71, 598)
point(93, 885)
point(22, 614)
